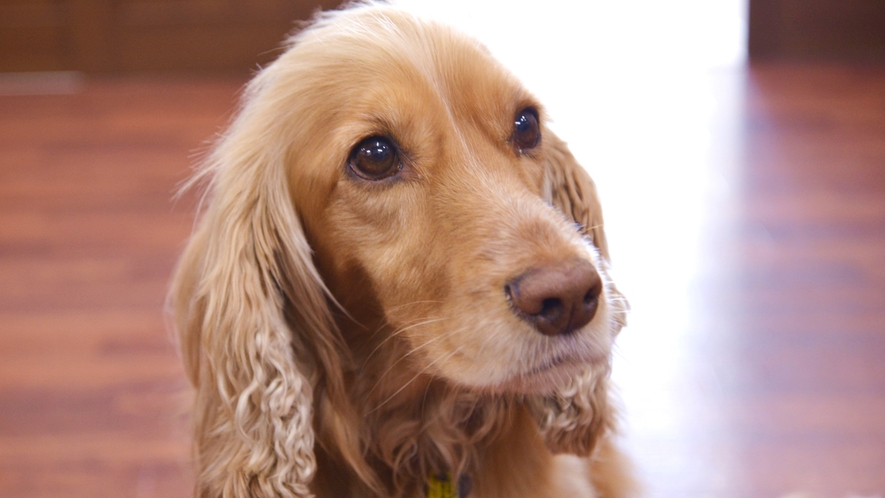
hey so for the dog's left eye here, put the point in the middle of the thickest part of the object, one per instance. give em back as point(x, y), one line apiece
point(526, 130)
point(374, 158)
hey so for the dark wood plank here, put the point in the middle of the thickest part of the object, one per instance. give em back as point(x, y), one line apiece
point(112, 36)
point(809, 395)
point(92, 394)
point(817, 29)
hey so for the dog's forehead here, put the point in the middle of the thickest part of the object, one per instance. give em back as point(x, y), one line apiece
point(385, 50)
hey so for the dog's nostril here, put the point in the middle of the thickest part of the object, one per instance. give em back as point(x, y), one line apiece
point(593, 294)
point(551, 306)
point(557, 299)
point(552, 311)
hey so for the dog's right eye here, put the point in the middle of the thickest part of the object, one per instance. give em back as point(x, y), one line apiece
point(526, 129)
point(374, 158)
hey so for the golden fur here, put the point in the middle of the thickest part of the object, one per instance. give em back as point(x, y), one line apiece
point(348, 338)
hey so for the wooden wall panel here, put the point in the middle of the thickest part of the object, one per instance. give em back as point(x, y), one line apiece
point(101, 36)
point(817, 29)
point(32, 35)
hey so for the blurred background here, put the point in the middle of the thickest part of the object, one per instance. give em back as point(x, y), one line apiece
point(739, 149)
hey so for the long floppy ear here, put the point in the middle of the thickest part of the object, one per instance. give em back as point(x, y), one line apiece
point(573, 192)
point(255, 330)
point(576, 416)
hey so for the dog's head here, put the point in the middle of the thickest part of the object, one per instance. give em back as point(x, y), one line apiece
point(387, 174)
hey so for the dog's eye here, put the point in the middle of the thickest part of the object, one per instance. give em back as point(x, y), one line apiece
point(526, 130)
point(374, 158)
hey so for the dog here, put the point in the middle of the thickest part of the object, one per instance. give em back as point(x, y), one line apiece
point(399, 284)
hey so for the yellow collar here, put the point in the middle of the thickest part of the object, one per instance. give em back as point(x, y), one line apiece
point(443, 486)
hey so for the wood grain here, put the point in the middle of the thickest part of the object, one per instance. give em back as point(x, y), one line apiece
point(817, 29)
point(114, 36)
point(92, 394)
point(778, 372)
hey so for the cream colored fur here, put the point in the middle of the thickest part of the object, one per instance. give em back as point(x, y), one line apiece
point(347, 338)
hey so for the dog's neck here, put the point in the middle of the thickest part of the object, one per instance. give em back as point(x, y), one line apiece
point(411, 426)
point(415, 426)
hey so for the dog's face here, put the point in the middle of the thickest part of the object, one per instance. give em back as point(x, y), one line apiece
point(422, 178)
point(390, 165)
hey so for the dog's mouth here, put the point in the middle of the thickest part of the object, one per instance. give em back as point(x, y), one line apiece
point(547, 366)
point(544, 377)
point(558, 367)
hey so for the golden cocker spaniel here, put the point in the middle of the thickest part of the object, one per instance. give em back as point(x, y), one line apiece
point(398, 286)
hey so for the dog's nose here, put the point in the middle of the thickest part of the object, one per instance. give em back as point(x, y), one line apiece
point(557, 299)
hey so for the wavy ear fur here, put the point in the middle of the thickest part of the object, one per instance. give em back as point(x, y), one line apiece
point(255, 330)
point(575, 417)
point(573, 192)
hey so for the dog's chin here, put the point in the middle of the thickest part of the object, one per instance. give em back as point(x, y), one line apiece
point(544, 379)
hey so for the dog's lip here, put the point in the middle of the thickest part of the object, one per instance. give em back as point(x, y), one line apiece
point(567, 360)
point(548, 365)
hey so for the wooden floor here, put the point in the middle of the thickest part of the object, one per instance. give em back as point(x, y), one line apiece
point(754, 255)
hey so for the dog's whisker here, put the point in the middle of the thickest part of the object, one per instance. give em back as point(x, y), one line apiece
point(406, 326)
point(414, 303)
point(396, 333)
point(393, 309)
point(407, 354)
point(616, 351)
point(415, 377)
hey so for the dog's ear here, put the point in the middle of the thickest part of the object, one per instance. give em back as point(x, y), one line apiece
point(577, 415)
point(571, 190)
point(255, 330)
